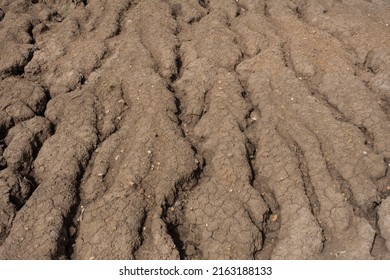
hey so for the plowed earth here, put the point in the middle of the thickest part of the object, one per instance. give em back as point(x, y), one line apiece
point(184, 129)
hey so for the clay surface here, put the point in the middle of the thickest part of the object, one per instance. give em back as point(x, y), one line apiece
point(186, 129)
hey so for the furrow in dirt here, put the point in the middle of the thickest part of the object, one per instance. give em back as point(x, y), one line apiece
point(70, 130)
point(264, 130)
point(334, 78)
point(173, 211)
point(224, 201)
point(335, 212)
point(57, 168)
point(354, 61)
point(136, 176)
point(287, 90)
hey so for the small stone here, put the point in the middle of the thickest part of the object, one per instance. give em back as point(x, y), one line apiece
point(72, 231)
point(117, 157)
point(274, 217)
point(149, 152)
point(365, 153)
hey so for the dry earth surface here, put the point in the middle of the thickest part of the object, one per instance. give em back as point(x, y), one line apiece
point(185, 129)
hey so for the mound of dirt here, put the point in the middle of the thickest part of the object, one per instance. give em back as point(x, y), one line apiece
point(184, 129)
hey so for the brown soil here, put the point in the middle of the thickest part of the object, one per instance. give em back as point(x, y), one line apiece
point(185, 129)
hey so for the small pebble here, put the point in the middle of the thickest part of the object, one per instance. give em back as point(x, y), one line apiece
point(72, 231)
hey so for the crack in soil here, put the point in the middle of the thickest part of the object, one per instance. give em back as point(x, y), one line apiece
point(172, 221)
point(345, 188)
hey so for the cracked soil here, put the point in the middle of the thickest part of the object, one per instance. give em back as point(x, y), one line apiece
point(185, 129)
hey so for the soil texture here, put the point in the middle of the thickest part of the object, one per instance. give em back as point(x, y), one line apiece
point(185, 129)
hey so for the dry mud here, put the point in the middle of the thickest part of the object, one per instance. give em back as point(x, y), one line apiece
point(185, 129)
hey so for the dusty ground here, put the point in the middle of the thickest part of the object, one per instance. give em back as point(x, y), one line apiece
point(185, 129)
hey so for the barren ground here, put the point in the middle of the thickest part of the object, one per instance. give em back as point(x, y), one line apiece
point(185, 129)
